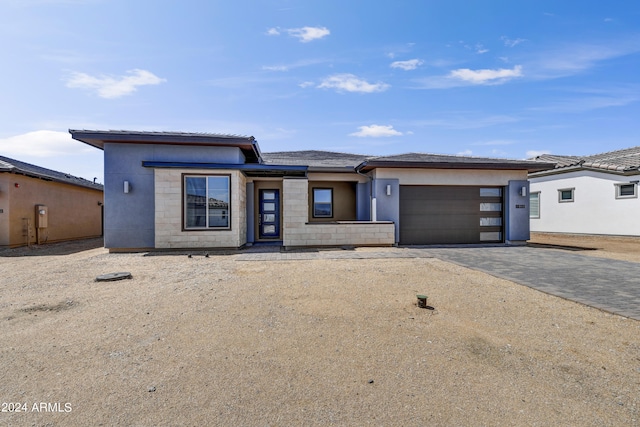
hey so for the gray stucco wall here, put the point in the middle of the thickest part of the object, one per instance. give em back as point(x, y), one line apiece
point(129, 219)
point(363, 201)
point(517, 212)
point(388, 206)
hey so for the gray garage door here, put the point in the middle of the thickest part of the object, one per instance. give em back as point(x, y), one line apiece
point(450, 215)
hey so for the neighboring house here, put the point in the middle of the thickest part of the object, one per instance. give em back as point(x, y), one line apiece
point(170, 190)
point(39, 205)
point(587, 195)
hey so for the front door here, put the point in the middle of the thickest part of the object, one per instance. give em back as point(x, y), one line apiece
point(269, 220)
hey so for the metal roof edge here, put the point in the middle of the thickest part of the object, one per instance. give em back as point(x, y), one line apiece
point(237, 166)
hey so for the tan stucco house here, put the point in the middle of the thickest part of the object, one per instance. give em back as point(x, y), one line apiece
point(39, 205)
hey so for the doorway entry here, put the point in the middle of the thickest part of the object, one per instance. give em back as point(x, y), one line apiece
point(269, 214)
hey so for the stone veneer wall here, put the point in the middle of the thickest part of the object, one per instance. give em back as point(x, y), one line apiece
point(297, 231)
point(168, 213)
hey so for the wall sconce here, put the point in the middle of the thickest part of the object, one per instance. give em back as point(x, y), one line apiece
point(127, 187)
point(388, 190)
point(523, 191)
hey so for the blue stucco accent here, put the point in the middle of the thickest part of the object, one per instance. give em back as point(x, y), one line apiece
point(250, 213)
point(129, 219)
point(363, 201)
point(388, 207)
point(517, 212)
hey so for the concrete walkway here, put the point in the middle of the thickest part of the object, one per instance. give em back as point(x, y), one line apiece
point(610, 285)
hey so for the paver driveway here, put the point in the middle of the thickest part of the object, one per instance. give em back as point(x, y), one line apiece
point(607, 284)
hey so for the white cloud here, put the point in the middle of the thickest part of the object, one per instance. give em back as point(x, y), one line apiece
point(307, 34)
point(114, 87)
point(42, 143)
point(465, 153)
point(536, 153)
point(481, 49)
point(376, 131)
point(273, 32)
point(511, 42)
point(410, 64)
point(351, 83)
point(55, 150)
point(306, 84)
point(486, 76)
point(275, 68)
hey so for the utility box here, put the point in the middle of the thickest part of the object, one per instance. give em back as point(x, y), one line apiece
point(42, 216)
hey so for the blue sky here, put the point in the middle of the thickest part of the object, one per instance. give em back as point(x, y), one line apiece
point(503, 78)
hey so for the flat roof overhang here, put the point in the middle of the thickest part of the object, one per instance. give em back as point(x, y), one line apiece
point(530, 167)
point(247, 144)
point(252, 170)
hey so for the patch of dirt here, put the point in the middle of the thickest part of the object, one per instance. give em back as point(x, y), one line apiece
point(613, 247)
point(221, 341)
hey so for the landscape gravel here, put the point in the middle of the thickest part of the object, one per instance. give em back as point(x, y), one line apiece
point(231, 342)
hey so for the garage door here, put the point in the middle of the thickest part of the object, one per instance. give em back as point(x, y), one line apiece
point(450, 215)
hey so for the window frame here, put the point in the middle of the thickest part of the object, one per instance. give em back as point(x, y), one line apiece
point(537, 193)
point(618, 188)
point(573, 195)
point(185, 204)
point(313, 204)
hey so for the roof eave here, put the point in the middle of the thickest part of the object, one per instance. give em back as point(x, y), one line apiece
point(528, 166)
point(248, 145)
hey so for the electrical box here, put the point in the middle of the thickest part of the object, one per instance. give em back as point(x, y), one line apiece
point(42, 216)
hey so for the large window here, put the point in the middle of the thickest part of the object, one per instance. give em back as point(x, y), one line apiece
point(322, 203)
point(534, 205)
point(206, 204)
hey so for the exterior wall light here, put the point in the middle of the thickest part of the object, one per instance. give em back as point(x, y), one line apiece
point(388, 190)
point(127, 187)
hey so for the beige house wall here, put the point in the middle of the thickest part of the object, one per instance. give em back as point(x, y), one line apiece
point(297, 231)
point(450, 176)
point(74, 212)
point(169, 212)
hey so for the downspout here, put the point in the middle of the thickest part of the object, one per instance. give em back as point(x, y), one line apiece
point(372, 200)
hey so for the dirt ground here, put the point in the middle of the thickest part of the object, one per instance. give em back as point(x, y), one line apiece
point(221, 341)
point(622, 248)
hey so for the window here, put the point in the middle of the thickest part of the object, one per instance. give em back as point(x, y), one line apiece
point(565, 195)
point(534, 205)
point(322, 202)
point(206, 204)
point(626, 191)
point(491, 192)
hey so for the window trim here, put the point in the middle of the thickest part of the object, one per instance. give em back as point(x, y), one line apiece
point(618, 188)
point(184, 204)
point(573, 195)
point(530, 195)
point(313, 204)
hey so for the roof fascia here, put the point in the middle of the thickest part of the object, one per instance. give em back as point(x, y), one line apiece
point(248, 145)
point(367, 166)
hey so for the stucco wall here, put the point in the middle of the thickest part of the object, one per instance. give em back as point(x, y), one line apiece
point(4, 206)
point(129, 218)
point(73, 212)
point(595, 209)
point(169, 212)
point(298, 232)
point(450, 176)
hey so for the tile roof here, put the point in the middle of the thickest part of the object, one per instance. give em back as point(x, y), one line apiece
point(425, 160)
point(621, 161)
point(16, 166)
point(314, 158)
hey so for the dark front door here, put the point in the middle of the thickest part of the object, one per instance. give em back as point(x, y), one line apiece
point(269, 220)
